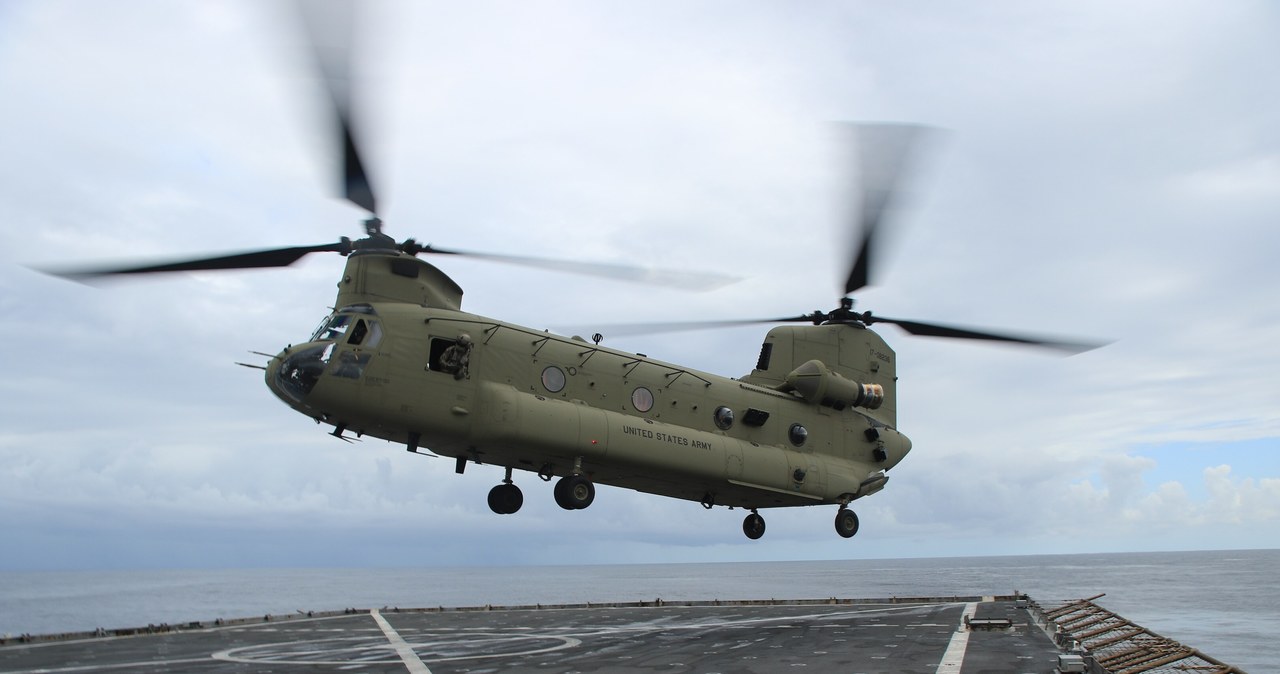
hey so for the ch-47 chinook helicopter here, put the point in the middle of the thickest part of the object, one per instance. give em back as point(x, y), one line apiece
point(814, 423)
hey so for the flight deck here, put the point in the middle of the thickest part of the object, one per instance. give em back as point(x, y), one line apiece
point(940, 635)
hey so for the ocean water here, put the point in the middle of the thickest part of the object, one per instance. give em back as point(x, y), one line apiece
point(1227, 604)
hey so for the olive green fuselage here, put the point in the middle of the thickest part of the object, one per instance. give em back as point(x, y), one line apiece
point(400, 360)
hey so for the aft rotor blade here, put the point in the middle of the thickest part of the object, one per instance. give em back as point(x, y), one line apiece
point(330, 29)
point(632, 329)
point(883, 157)
point(257, 259)
point(685, 280)
point(923, 329)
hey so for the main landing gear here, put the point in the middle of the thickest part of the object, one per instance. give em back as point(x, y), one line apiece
point(572, 492)
point(846, 524)
point(506, 498)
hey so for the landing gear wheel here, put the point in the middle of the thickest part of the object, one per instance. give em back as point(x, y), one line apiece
point(753, 526)
point(505, 499)
point(574, 492)
point(846, 523)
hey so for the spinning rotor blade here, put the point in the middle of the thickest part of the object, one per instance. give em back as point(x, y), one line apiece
point(936, 330)
point(257, 259)
point(685, 280)
point(633, 329)
point(917, 328)
point(330, 32)
point(883, 153)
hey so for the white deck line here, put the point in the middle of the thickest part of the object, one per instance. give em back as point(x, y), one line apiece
point(402, 647)
point(954, 657)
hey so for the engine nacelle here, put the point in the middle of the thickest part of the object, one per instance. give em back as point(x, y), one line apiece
point(817, 383)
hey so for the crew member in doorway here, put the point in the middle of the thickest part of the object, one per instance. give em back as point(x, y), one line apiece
point(457, 358)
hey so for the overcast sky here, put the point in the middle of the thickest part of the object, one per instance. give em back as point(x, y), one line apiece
point(1106, 170)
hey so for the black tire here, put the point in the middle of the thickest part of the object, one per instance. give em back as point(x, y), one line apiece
point(513, 498)
point(562, 498)
point(753, 526)
point(505, 499)
point(495, 500)
point(846, 523)
point(575, 492)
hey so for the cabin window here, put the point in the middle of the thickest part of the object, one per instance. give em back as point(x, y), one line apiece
point(723, 417)
point(642, 399)
point(553, 379)
point(438, 347)
point(452, 356)
point(798, 434)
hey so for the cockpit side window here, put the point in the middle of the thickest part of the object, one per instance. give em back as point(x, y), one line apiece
point(332, 328)
point(359, 331)
point(351, 364)
point(366, 333)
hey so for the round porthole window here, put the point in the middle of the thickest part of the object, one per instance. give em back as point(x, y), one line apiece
point(798, 434)
point(642, 399)
point(723, 417)
point(553, 379)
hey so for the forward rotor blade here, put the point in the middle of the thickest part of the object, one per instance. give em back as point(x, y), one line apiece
point(686, 280)
point(936, 330)
point(257, 259)
point(331, 34)
point(883, 158)
point(355, 181)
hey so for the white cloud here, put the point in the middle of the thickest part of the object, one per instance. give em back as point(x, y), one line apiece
point(1106, 173)
point(1251, 179)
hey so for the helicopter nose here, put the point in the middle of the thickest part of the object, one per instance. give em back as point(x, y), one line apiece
point(272, 375)
point(273, 372)
point(293, 373)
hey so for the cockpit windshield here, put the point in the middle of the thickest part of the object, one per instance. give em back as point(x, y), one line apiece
point(350, 336)
point(334, 326)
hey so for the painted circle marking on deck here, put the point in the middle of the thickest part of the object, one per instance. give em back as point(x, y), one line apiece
point(377, 651)
point(419, 647)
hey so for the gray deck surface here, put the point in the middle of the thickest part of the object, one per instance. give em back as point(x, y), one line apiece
point(728, 638)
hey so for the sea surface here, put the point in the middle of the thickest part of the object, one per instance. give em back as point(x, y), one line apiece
point(1227, 604)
